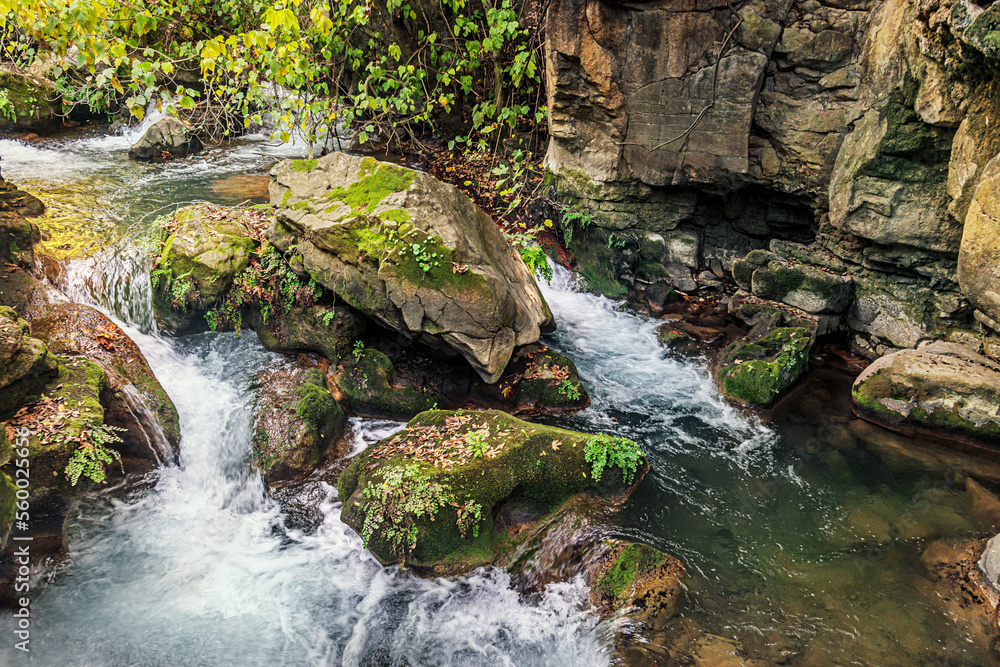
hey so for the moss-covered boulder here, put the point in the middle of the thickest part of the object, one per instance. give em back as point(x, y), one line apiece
point(27, 103)
point(427, 495)
point(204, 248)
point(25, 362)
point(411, 252)
point(329, 330)
point(166, 138)
point(63, 415)
point(984, 34)
point(941, 387)
point(367, 381)
point(756, 370)
point(296, 419)
point(541, 378)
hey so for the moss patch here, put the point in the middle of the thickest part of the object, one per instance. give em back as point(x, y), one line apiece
point(630, 561)
point(368, 192)
point(304, 165)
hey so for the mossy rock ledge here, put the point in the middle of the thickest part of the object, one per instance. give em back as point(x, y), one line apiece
point(411, 252)
point(940, 387)
point(32, 104)
point(427, 495)
point(539, 378)
point(296, 420)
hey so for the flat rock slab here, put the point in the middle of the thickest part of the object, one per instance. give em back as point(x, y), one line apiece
point(943, 387)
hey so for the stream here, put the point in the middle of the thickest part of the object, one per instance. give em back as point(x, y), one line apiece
point(801, 538)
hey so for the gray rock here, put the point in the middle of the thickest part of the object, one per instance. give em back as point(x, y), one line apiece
point(940, 386)
point(167, 135)
point(411, 252)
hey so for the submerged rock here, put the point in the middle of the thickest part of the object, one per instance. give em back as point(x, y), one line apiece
point(411, 252)
point(367, 380)
point(758, 369)
point(943, 387)
point(167, 137)
point(427, 495)
point(636, 579)
point(296, 420)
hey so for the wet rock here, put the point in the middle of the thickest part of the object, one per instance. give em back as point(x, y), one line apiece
point(803, 286)
point(940, 386)
point(205, 248)
point(8, 491)
point(636, 579)
point(25, 362)
point(296, 419)
point(960, 572)
point(411, 252)
point(31, 103)
point(367, 381)
point(167, 137)
point(427, 495)
point(134, 399)
point(757, 370)
point(543, 379)
point(327, 330)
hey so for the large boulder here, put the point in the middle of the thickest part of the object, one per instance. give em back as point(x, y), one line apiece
point(167, 137)
point(296, 420)
point(978, 265)
point(813, 289)
point(27, 103)
point(427, 495)
point(411, 252)
point(943, 387)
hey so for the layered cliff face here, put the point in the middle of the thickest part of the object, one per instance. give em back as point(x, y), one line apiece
point(690, 132)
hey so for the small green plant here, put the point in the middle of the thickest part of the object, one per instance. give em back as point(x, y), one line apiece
point(531, 252)
point(424, 253)
point(403, 496)
point(569, 390)
point(469, 515)
point(476, 442)
point(605, 451)
point(93, 454)
point(617, 241)
point(327, 317)
point(572, 218)
point(7, 109)
point(212, 319)
point(359, 348)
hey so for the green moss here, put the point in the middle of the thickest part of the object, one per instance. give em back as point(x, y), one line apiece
point(316, 406)
point(8, 500)
point(366, 194)
point(395, 215)
point(304, 165)
point(285, 197)
point(633, 560)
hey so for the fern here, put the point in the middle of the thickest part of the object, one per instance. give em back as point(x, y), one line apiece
point(93, 454)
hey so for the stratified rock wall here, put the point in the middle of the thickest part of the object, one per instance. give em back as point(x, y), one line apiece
point(690, 133)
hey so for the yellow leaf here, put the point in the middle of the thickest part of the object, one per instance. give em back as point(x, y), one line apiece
point(116, 84)
point(548, 222)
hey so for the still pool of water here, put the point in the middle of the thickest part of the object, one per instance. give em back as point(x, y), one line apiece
point(801, 538)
